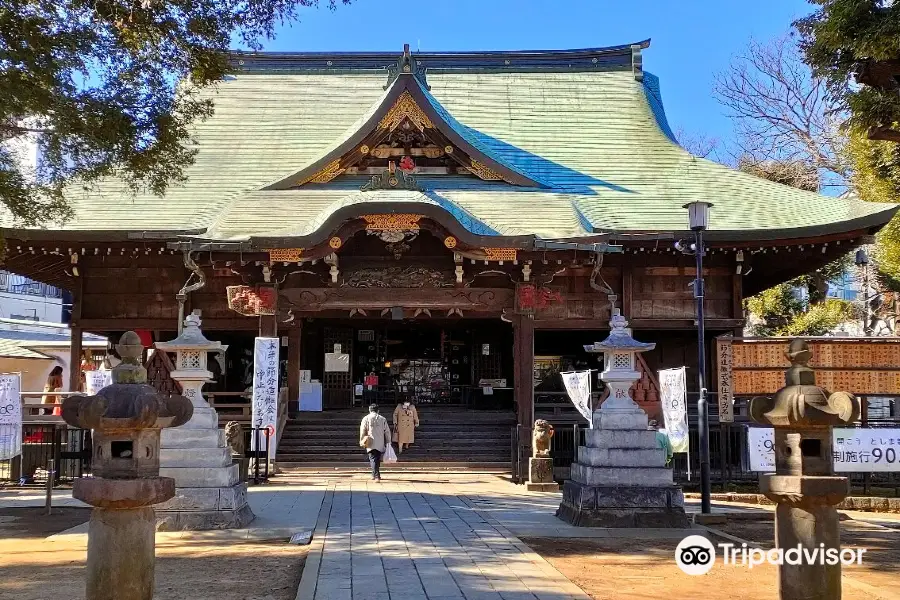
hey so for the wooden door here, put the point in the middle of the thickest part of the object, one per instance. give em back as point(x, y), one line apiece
point(337, 386)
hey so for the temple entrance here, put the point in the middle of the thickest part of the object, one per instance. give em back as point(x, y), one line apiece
point(463, 363)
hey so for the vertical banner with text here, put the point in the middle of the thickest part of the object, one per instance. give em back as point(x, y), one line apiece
point(265, 391)
point(673, 392)
point(10, 416)
point(724, 374)
point(578, 386)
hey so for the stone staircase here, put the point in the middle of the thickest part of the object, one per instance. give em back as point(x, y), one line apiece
point(448, 439)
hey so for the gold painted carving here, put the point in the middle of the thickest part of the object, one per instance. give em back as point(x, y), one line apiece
point(500, 254)
point(331, 170)
point(450, 241)
point(285, 254)
point(405, 108)
point(401, 222)
point(482, 171)
point(335, 242)
point(364, 149)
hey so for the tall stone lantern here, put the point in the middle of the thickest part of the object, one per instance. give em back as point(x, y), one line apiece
point(804, 486)
point(208, 492)
point(126, 418)
point(619, 478)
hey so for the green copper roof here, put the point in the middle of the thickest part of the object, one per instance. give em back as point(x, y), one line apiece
point(597, 139)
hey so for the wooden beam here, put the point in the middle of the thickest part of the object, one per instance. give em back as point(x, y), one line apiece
point(104, 325)
point(737, 298)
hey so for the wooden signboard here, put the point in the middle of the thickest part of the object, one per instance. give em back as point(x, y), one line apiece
point(724, 376)
point(861, 366)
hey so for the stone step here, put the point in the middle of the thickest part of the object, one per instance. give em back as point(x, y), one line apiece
point(202, 476)
point(177, 437)
point(194, 457)
point(618, 420)
point(362, 458)
point(621, 439)
point(624, 476)
point(420, 467)
point(212, 498)
point(621, 457)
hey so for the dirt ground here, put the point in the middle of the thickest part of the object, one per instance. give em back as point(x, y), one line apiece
point(880, 562)
point(627, 569)
point(32, 568)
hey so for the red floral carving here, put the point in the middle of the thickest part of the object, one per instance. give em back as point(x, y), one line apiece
point(250, 301)
point(533, 298)
point(407, 164)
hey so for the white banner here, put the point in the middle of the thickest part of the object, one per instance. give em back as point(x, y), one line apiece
point(578, 386)
point(866, 450)
point(761, 448)
point(94, 381)
point(265, 391)
point(10, 416)
point(673, 392)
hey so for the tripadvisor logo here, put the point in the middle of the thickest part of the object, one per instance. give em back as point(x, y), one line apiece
point(696, 555)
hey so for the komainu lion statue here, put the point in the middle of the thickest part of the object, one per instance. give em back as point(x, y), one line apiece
point(234, 437)
point(540, 439)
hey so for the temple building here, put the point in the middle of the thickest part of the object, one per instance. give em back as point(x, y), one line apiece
point(439, 220)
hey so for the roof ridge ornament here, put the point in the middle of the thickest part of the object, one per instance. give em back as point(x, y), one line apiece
point(637, 62)
point(407, 65)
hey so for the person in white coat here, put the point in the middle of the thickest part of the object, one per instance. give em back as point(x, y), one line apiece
point(375, 437)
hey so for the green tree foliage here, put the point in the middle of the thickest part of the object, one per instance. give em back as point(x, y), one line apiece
point(780, 311)
point(876, 178)
point(110, 88)
point(844, 36)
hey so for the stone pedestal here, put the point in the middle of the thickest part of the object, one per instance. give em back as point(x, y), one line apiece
point(540, 475)
point(121, 554)
point(208, 490)
point(620, 479)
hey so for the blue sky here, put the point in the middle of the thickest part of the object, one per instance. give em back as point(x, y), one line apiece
point(692, 40)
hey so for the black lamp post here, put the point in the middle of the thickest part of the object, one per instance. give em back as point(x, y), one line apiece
point(698, 218)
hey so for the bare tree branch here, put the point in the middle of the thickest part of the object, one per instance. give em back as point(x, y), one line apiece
point(781, 112)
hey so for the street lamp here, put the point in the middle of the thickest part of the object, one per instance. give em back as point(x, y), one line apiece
point(698, 218)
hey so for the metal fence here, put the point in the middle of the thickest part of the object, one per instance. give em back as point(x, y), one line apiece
point(68, 448)
point(729, 455)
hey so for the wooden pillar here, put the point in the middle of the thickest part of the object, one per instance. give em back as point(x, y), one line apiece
point(293, 374)
point(268, 324)
point(75, 359)
point(523, 373)
point(627, 300)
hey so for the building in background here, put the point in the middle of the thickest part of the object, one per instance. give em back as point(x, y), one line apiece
point(24, 299)
point(33, 349)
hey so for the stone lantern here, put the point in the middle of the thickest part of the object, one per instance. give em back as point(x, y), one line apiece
point(126, 418)
point(804, 486)
point(209, 494)
point(619, 478)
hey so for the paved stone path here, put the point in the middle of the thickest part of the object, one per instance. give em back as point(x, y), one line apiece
point(406, 541)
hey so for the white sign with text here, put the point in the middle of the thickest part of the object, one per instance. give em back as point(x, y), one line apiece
point(265, 391)
point(673, 392)
point(10, 416)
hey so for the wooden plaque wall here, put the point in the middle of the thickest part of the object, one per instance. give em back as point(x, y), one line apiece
point(864, 367)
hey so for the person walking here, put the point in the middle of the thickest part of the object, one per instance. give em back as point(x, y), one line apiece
point(406, 419)
point(375, 437)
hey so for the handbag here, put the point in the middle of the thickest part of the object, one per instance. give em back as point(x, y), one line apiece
point(389, 455)
point(366, 441)
point(395, 437)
